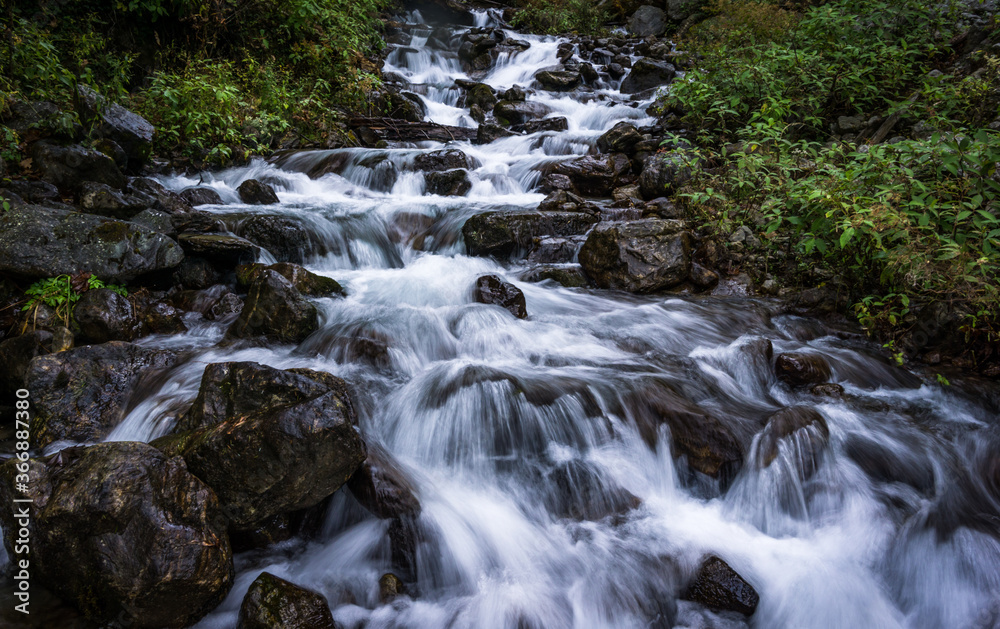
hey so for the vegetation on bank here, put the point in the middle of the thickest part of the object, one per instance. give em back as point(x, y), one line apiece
point(553, 17)
point(907, 221)
point(219, 79)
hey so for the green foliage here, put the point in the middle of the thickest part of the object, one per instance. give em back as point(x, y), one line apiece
point(561, 16)
point(62, 292)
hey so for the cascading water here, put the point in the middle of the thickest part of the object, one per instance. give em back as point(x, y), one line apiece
point(547, 499)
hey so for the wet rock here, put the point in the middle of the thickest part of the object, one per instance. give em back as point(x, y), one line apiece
point(254, 192)
point(274, 459)
point(555, 250)
point(37, 242)
point(589, 73)
point(166, 200)
point(32, 191)
point(621, 138)
point(130, 131)
point(16, 354)
point(663, 173)
point(196, 273)
point(905, 463)
point(447, 159)
point(125, 533)
point(38, 119)
point(720, 587)
point(103, 315)
point(798, 369)
point(162, 318)
point(641, 256)
point(709, 445)
point(482, 95)
point(273, 603)
point(519, 112)
point(563, 201)
point(577, 491)
point(390, 587)
point(383, 487)
point(98, 198)
point(647, 74)
point(275, 311)
point(515, 93)
point(503, 234)
point(286, 238)
point(405, 106)
point(570, 276)
point(627, 196)
point(223, 249)
point(81, 394)
point(615, 70)
point(488, 133)
point(827, 390)
point(69, 167)
point(156, 221)
point(808, 444)
point(226, 306)
point(475, 51)
point(198, 221)
point(201, 195)
point(593, 176)
point(304, 280)
point(648, 21)
point(492, 290)
point(555, 123)
point(559, 80)
point(554, 182)
point(680, 10)
point(703, 278)
point(453, 183)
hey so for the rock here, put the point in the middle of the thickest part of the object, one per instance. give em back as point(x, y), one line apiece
point(554, 182)
point(156, 221)
point(226, 306)
point(196, 273)
point(201, 195)
point(98, 198)
point(390, 587)
point(575, 490)
point(304, 281)
point(38, 119)
point(827, 390)
point(557, 250)
point(447, 159)
point(253, 192)
point(680, 10)
point(709, 445)
point(114, 151)
point(81, 394)
point(798, 369)
point(563, 201)
point(406, 106)
point(557, 123)
point(273, 603)
point(33, 191)
point(103, 315)
point(275, 311)
point(615, 70)
point(593, 176)
point(621, 138)
point(488, 133)
point(69, 167)
point(37, 242)
point(648, 21)
point(559, 80)
point(491, 289)
point(744, 235)
point(568, 276)
point(284, 237)
point(130, 131)
point(273, 459)
point(663, 173)
point(382, 487)
point(647, 74)
point(162, 318)
point(453, 183)
point(641, 256)
point(482, 95)
point(125, 533)
point(16, 354)
point(703, 278)
point(589, 73)
point(850, 124)
point(519, 112)
point(718, 586)
point(165, 200)
point(807, 447)
point(515, 93)
point(504, 234)
point(223, 249)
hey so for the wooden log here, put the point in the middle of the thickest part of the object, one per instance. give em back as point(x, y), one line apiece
point(403, 131)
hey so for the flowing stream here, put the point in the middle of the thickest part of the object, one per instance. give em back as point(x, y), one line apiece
point(545, 503)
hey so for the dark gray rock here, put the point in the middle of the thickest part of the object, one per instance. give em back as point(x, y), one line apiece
point(811, 436)
point(254, 192)
point(167, 201)
point(482, 95)
point(201, 195)
point(286, 238)
point(647, 74)
point(454, 183)
point(36, 242)
point(662, 173)
point(593, 176)
point(509, 112)
point(101, 199)
point(798, 369)
point(492, 290)
point(69, 167)
point(273, 603)
point(720, 587)
point(570, 276)
point(81, 394)
point(641, 256)
point(559, 80)
point(224, 249)
point(621, 138)
point(503, 234)
point(555, 123)
point(103, 315)
point(488, 133)
point(383, 487)
point(446, 159)
point(274, 310)
point(130, 131)
point(304, 281)
point(680, 10)
point(648, 21)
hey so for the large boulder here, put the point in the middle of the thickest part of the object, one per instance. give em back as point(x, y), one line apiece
point(37, 242)
point(621, 138)
point(503, 234)
point(648, 21)
point(647, 74)
point(662, 173)
point(68, 167)
point(81, 394)
point(223, 249)
point(810, 437)
point(383, 487)
point(275, 311)
point(492, 290)
point(800, 369)
point(451, 183)
point(482, 95)
point(200, 195)
point(273, 603)
point(286, 238)
point(641, 256)
point(718, 586)
point(130, 131)
point(125, 533)
point(593, 176)
point(559, 80)
point(304, 280)
point(277, 457)
point(254, 192)
point(405, 106)
point(104, 315)
point(510, 112)
point(444, 159)
point(103, 200)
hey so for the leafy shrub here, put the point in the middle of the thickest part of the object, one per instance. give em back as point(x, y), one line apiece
point(561, 16)
point(63, 291)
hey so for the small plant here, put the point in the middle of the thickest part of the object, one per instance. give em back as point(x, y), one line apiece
point(63, 291)
point(943, 381)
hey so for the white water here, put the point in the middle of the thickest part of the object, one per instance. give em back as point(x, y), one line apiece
point(486, 411)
